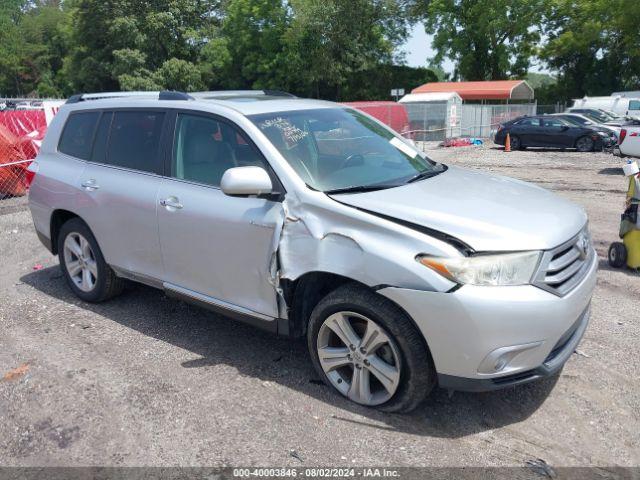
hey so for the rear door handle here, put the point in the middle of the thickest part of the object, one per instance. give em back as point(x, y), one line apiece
point(171, 203)
point(90, 184)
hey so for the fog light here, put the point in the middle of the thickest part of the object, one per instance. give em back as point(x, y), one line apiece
point(501, 363)
point(499, 359)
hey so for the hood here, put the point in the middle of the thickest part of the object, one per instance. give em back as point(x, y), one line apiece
point(599, 128)
point(487, 212)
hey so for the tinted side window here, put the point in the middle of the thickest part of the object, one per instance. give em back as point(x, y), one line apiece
point(99, 152)
point(205, 148)
point(531, 122)
point(634, 104)
point(552, 122)
point(134, 140)
point(77, 135)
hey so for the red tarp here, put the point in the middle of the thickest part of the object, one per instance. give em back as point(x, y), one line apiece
point(391, 114)
point(21, 132)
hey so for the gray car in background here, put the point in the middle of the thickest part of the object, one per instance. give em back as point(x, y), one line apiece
point(311, 219)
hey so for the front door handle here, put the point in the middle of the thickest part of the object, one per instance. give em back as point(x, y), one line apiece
point(171, 203)
point(90, 185)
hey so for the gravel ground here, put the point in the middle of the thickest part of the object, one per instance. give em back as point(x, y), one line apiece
point(147, 380)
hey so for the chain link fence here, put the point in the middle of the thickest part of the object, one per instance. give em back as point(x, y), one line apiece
point(433, 121)
point(21, 132)
point(14, 179)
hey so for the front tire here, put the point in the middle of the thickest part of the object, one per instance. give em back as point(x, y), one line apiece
point(585, 144)
point(516, 143)
point(366, 348)
point(83, 265)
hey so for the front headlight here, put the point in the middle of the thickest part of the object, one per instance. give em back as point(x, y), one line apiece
point(491, 269)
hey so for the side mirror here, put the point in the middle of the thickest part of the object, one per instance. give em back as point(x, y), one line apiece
point(565, 127)
point(243, 181)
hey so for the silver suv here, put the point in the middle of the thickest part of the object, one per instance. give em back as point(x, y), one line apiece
point(309, 218)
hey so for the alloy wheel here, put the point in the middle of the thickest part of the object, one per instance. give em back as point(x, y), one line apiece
point(80, 262)
point(359, 358)
point(584, 144)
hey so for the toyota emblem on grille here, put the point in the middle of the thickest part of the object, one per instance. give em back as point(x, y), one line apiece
point(583, 246)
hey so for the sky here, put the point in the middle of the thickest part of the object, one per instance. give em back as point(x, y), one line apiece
point(418, 50)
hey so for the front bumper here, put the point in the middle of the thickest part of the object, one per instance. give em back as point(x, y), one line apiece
point(551, 365)
point(465, 327)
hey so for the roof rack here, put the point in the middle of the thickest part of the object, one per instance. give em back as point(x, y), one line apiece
point(242, 93)
point(162, 95)
point(278, 93)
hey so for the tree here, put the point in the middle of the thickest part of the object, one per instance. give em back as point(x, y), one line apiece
point(376, 83)
point(31, 46)
point(247, 50)
point(108, 33)
point(487, 39)
point(594, 45)
point(331, 40)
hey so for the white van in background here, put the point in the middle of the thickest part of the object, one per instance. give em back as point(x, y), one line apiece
point(628, 94)
point(621, 105)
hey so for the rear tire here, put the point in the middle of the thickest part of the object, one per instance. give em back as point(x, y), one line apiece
point(617, 255)
point(585, 144)
point(399, 350)
point(83, 265)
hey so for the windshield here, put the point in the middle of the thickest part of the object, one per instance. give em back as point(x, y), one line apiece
point(596, 116)
point(577, 120)
point(335, 149)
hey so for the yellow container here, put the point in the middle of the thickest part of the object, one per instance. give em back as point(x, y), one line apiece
point(632, 242)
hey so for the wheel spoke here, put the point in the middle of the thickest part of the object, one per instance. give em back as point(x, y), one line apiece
point(74, 268)
point(85, 247)
point(333, 357)
point(87, 281)
point(388, 375)
point(360, 390)
point(93, 267)
point(72, 243)
point(373, 338)
point(339, 324)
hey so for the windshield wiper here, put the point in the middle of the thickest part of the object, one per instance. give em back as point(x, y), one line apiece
point(359, 189)
point(425, 174)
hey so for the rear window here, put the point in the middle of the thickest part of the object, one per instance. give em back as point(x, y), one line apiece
point(77, 135)
point(634, 104)
point(135, 139)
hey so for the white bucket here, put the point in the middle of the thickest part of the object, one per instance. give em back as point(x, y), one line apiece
point(630, 169)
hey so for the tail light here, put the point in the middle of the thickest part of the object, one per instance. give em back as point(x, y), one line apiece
point(623, 134)
point(31, 171)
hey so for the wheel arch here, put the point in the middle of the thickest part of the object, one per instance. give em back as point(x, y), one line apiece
point(585, 135)
point(304, 293)
point(58, 218)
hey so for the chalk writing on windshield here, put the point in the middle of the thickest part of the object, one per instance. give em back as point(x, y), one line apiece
point(290, 133)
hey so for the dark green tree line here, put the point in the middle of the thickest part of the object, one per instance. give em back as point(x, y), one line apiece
point(331, 48)
point(334, 49)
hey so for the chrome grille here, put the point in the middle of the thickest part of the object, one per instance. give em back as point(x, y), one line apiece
point(563, 267)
